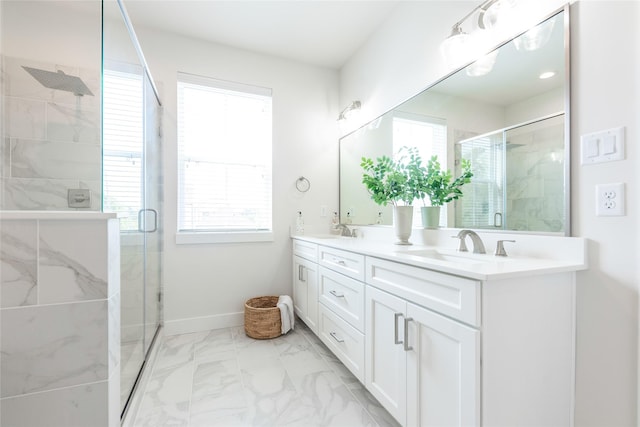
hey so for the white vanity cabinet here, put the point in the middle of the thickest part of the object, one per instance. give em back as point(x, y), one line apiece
point(423, 367)
point(486, 343)
point(305, 283)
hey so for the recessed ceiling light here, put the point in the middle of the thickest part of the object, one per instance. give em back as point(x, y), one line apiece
point(547, 75)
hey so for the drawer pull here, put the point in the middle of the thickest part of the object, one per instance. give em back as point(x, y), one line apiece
point(407, 347)
point(395, 328)
point(335, 294)
point(335, 337)
point(340, 262)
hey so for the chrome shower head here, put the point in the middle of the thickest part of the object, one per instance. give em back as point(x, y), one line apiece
point(59, 81)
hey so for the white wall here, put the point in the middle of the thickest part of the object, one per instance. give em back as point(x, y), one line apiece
point(605, 42)
point(206, 285)
point(605, 94)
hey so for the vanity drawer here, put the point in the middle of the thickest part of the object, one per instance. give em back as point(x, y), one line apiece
point(344, 296)
point(343, 340)
point(305, 250)
point(453, 296)
point(347, 263)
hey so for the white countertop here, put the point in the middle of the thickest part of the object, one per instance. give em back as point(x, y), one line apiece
point(483, 267)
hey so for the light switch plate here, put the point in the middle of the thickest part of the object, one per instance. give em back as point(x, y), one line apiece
point(603, 146)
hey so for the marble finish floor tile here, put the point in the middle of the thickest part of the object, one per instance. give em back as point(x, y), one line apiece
point(224, 378)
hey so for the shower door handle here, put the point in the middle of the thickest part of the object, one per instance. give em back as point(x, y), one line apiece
point(146, 217)
point(497, 219)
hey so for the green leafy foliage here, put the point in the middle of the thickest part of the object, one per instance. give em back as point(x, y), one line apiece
point(439, 186)
point(385, 180)
point(407, 179)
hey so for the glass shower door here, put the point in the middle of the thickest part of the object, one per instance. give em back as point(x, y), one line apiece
point(153, 239)
point(132, 181)
point(482, 206)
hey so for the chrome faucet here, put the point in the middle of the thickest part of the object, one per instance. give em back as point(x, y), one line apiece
point(344, 230)
point(478, 246)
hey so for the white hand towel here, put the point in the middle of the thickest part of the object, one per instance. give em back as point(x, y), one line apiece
point(285, 304)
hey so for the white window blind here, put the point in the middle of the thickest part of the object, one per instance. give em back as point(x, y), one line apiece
point(224, 156)
point(429, 136)
point(123, 130)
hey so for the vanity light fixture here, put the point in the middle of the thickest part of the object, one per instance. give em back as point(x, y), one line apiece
point(350, 110)
point(460, 47)
point(455, 48)
point(546, 75)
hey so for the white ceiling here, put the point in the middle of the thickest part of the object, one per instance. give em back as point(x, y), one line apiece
point(319, 32)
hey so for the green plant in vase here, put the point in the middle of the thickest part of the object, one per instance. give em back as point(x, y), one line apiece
point(390, 182)
point(440, 187)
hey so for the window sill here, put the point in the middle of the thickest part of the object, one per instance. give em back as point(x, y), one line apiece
point(203, 237)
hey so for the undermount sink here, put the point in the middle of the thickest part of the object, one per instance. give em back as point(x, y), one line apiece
point(449, 256)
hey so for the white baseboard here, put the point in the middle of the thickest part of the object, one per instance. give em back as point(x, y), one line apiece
point(204, 323)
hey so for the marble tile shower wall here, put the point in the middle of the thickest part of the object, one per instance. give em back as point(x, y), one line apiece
point(51, 139)
point(59, 320)
point(535, 180)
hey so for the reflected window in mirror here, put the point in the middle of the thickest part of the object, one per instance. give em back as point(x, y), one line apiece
point(429, 136)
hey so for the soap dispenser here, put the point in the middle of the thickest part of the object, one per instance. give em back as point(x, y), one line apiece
point(299, 223)
point(335, 220)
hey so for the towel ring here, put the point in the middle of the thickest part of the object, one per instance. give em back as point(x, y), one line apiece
point(303, 184)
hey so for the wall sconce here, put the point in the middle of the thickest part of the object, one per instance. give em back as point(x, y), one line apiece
point(350, 110)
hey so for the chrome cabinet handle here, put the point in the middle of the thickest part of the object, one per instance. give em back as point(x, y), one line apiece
point(396, 316)
point(339, 262)
point(335, 294)
point(301, 273)
point(407, 347)
point(335, 337)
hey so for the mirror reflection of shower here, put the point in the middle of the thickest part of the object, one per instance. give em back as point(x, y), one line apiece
point(59, 80)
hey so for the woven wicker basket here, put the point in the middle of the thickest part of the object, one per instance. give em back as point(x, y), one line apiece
point(262, 318)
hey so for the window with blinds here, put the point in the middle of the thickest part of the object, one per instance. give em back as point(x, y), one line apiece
point(429, 136)
point(224, 156)
point(123, 130)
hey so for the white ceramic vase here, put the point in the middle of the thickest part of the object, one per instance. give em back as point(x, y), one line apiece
point(402, 223)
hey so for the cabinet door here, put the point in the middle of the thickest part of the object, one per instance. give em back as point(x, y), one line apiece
point(443, 371)
point(385, 357)
point(305, 291)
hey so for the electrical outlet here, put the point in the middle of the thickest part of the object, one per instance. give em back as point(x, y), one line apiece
point(610, 199)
